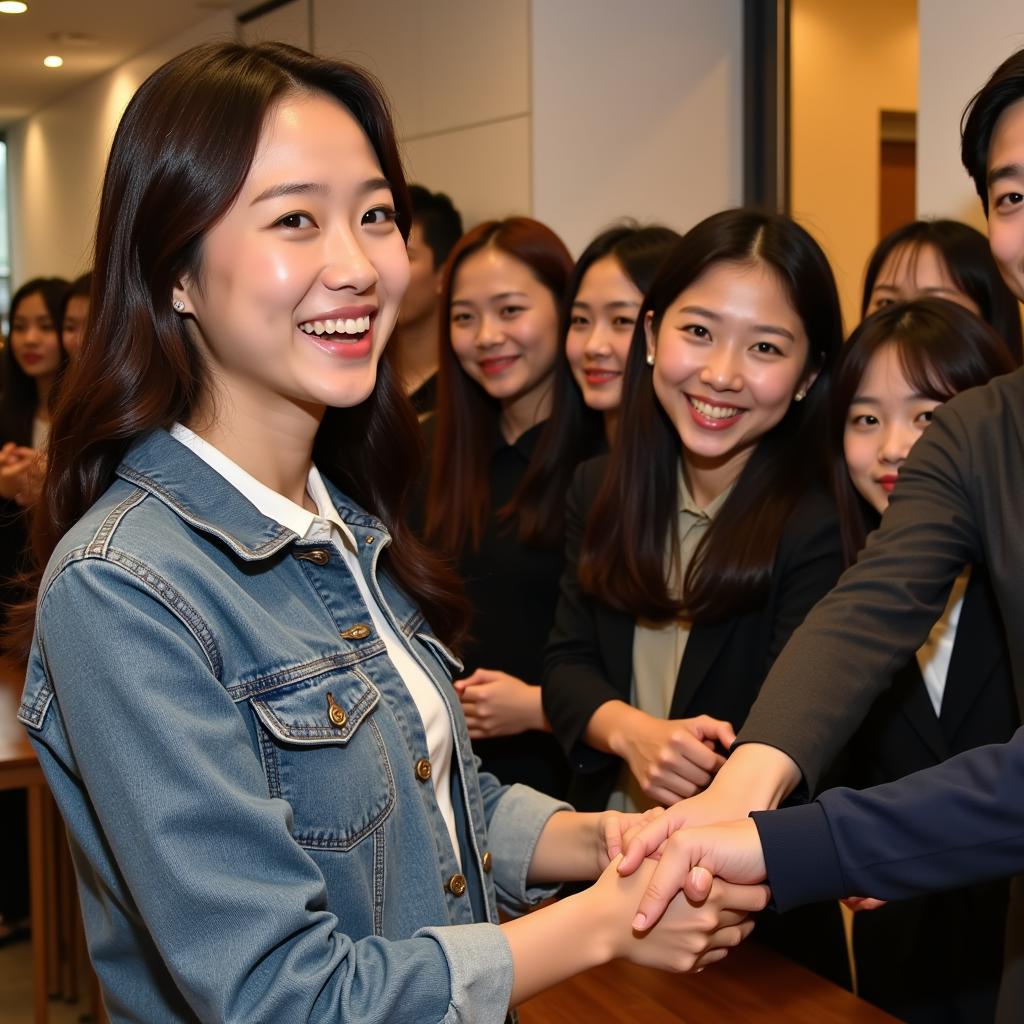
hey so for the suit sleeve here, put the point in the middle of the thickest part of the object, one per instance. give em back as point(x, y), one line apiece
point(835, 665)
point(575, 684)
point(955, 824)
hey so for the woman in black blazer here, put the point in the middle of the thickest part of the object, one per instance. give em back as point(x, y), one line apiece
point(700, 543)
point(938, 958)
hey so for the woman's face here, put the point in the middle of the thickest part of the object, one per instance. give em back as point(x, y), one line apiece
point(35, 339)
point(916, 272)
point(885, 419)
point(604, 314)
point(301, 279)
point(74, 323)
point(729, 355)
point(504, 325)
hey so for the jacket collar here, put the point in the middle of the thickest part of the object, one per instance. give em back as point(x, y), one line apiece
point(176, 476)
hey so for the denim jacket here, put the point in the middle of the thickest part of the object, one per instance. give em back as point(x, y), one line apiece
point(243, 773)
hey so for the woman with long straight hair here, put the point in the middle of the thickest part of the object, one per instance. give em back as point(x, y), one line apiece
point(598, 313)
point(702, 540)
point(494, 500)
point(239, 682)
point(934, 958)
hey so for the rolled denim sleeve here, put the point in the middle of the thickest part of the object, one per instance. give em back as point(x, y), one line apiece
point(153, 769)
point(517, 818)
point(480, 969)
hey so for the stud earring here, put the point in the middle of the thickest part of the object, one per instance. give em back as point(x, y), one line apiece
point(179, 305)
point(800, 395)
point(650, 358)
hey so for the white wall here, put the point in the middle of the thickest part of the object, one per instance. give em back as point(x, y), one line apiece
point(57, 156)
point(457, 75)
point(961, 45)
point(637, 110)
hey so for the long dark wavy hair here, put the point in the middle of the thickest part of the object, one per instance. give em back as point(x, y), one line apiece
point(634, 518)
point(967, 257)
point(20, 399)
point(574, 432)
point(942, 348)
point(466, 421)
point(180, 156)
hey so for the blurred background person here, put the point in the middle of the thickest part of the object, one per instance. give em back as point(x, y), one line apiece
point(436, 227)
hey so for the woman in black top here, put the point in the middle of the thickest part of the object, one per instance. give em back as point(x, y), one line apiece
point(500, 303)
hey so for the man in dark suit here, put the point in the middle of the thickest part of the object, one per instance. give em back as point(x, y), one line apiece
point(958, 502)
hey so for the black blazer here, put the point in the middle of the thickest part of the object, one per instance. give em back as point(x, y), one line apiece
point(938, 957)
point(902, 733)
point(957, 503)
point(589, 656)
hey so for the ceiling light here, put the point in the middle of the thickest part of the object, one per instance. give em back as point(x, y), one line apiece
point(13, 7)
point(53, 62)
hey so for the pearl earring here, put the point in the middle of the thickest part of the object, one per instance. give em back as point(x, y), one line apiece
point(179, 305)
point(800, 395)
point(650, 358)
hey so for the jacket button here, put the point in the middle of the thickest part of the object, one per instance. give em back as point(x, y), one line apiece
point(486, 861)
point(335, 713)
point(360, 631)
point(318, 556)
point(456, 885)
point(423, 769)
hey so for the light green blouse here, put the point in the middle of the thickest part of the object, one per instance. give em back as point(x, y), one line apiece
point(658, 647)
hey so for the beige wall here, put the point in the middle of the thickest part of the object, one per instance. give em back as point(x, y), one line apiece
point(850, 61)
point(961, 45)
point(56, 160)
point(575, 111)
point(458, 76)
point(637, 111)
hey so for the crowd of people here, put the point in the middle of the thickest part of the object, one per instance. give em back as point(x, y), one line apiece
point(315, 708)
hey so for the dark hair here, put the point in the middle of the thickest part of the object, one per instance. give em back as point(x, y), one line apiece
point(20, 399)
point(943, 349)
point(633, 521)
point(181, 154)
point(967, 257)
point(458, 492)
point(574, 432)
point(1005, 87)
point(81, 287)
point(438, 219)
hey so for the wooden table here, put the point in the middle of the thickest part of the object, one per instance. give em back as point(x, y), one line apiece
point(19, 769)
point(753, 985)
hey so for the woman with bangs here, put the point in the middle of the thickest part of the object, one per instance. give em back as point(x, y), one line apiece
point(938, 958)
point(697, 546)
point(493, 504)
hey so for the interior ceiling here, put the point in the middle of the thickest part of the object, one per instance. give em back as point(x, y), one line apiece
point(113, 31)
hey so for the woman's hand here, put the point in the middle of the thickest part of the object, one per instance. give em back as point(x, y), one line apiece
point(690, 934)
point(594, 926)
point(497, 704)
point(613, 828)
point(17, 465)
point(675, 758)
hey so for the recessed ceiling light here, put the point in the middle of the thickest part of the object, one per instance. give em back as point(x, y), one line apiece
point(53, 62)
point(13, 7)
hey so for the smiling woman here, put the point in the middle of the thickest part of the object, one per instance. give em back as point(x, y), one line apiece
point(239, 685)
point(698, 544)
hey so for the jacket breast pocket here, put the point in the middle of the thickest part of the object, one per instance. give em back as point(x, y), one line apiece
point(325, 754)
